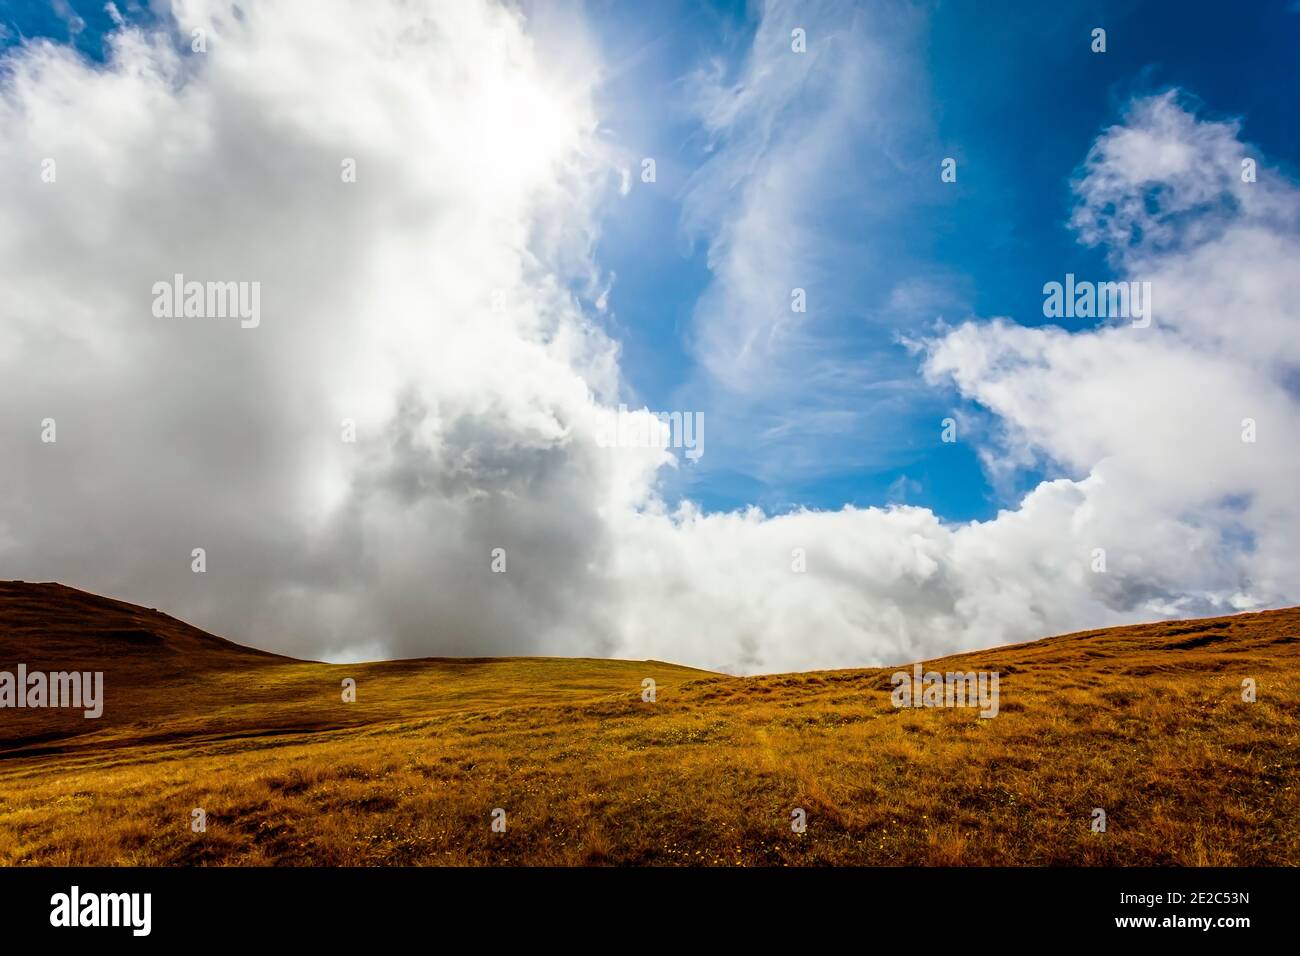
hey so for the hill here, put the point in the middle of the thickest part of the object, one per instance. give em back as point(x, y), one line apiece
point(1146, 722)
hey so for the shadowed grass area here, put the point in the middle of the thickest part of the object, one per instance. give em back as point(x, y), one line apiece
point(1145, 722)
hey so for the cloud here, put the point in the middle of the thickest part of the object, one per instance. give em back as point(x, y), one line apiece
point(428, 301)
point(444, 302)
point(1165, 180)
point(1205, 521)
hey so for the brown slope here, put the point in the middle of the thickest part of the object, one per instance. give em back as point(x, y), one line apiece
point(77, 629)
point(147, 657)
point(166, 682)
point(1146, 721)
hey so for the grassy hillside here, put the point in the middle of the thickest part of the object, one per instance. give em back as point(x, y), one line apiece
point(1146, 722)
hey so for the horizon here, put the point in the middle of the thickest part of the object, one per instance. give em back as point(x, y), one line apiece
point(649, 660)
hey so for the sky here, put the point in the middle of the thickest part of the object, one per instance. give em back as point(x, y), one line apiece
point(480, 231)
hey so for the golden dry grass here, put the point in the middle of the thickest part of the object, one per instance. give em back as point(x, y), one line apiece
point(1146, 722)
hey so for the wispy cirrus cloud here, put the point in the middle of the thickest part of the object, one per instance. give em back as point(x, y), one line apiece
point(808, 154)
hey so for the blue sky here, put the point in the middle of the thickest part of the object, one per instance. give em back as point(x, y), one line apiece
point(1013, 91)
